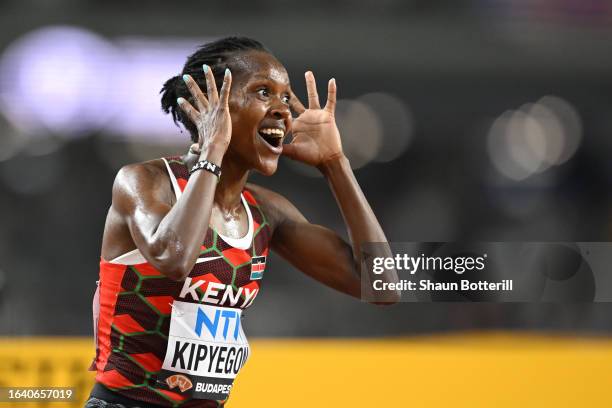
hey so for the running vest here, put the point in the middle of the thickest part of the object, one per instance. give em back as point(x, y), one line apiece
point(180, 344)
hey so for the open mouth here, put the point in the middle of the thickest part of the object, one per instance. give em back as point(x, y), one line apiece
point(272, 136)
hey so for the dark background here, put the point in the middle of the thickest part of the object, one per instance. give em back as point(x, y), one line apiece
point(446, 71)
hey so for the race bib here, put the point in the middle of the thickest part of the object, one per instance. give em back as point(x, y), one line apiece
point(206, 349)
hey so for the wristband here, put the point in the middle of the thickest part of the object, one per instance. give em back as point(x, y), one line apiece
point(208, 166)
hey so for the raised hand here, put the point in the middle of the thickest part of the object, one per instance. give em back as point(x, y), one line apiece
point(316, 138)
point(212, 116)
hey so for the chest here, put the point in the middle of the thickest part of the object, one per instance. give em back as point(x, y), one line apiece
point(231, 264)
point(234, 224)
point(225, 274)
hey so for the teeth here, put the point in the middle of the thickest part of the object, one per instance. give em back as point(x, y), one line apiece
point(272, 131)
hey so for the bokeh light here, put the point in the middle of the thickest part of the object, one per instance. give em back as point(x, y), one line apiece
point(71, 82)
point(375, 127)
point(397, 124)
point(56, 79)
point(361, 131)
point(534, 138)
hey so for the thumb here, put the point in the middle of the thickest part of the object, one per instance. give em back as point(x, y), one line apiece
point(290, 150)
point(195, 148)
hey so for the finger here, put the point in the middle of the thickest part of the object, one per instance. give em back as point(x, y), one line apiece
point(225, 88)
point(196, 93)
point(211, 86)
point(290, 150)
point(330, 105)
point(195, 147)
point(189, 110)
point(295, 104)
point(311, 88)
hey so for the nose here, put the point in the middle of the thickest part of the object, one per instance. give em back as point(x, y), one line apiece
point(280, 110)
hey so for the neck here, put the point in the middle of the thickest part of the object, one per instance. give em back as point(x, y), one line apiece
point(230, 186)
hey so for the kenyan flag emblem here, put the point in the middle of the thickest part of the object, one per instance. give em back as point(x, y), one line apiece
point(258, 264)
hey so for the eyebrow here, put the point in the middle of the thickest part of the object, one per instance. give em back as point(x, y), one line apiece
point(264, 77)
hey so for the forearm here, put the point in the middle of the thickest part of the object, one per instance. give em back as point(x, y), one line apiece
point(359, 218)
point(361, 223)
point(179, 236)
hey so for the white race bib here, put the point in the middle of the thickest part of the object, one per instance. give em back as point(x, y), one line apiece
point(206, 349)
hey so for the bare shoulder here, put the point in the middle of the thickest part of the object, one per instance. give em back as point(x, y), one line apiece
point(276, 206)
point(263, 194)
point(142, 181)
point(150, 171)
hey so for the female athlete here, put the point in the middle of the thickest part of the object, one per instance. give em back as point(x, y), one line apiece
point(186, 238)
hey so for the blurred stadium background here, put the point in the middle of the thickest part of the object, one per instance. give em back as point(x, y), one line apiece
point(482, 120)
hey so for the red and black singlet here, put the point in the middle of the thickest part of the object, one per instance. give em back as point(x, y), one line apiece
point(135, 302)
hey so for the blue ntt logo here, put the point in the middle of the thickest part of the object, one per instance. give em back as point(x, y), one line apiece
point(219, 321)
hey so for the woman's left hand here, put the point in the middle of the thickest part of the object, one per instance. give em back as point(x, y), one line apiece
point(316, 138)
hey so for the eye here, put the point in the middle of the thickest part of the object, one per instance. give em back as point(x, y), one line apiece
point(263, 92)
point(286, 99)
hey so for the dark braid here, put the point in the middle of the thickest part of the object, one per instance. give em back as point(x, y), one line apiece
point(214, 54)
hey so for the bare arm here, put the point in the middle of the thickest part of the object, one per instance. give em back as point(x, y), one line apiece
point(170, 237)
point(316, 250)
point(320, 252)
point(313, 249)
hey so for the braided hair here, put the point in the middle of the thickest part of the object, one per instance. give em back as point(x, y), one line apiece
point(216, 55)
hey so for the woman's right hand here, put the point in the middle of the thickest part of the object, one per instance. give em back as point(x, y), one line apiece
point(211, 118)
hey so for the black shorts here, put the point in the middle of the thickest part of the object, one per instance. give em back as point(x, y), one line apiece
point(102, 397)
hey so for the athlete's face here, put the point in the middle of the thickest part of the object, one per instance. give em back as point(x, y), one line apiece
point(259, 107)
